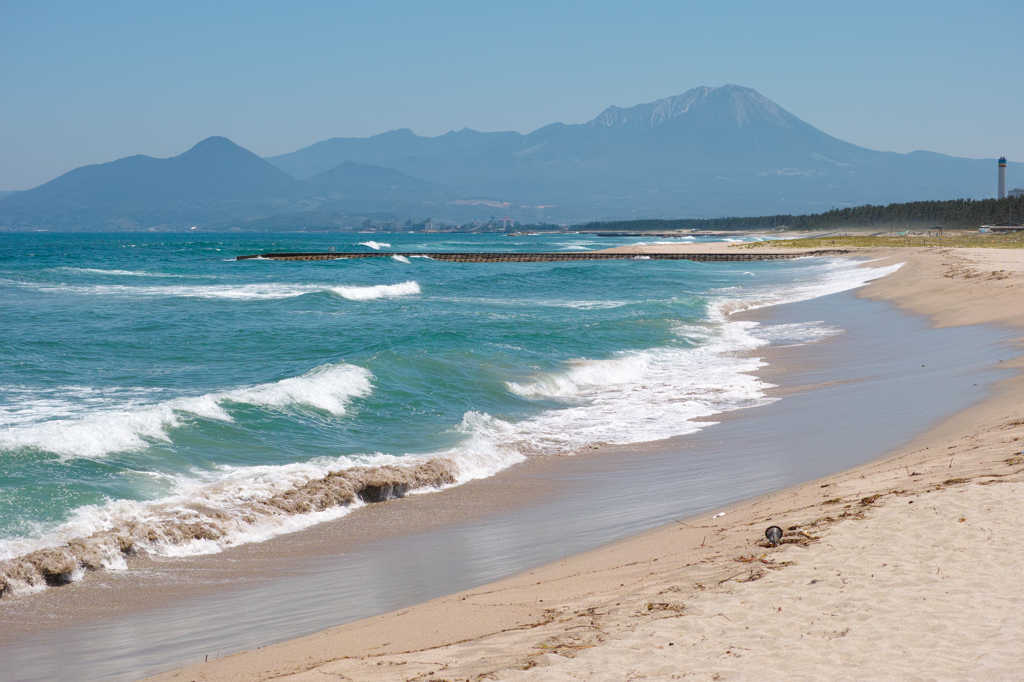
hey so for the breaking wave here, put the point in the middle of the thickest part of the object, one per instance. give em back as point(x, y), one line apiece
point(640, 396)
point(375, 245)
point(133, 425)
point(245, 505)
point(231, 506)
point(831, 277)
point(242, 292)
point(378, 291)
point(125, 273)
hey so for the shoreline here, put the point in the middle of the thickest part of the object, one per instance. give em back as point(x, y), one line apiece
point(265, 574)
point(596, 602)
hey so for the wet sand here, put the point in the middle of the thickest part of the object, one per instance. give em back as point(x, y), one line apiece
point(398, 553)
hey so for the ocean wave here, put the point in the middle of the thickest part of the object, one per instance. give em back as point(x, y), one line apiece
point(241, 292)
point(642, 396)
point(582, 305)
point(377, 291)
point(582, 375)
point(796, 333)
point(204, 517)
point(123, 273)
point(830, 277)
point(375, 245)
point(675, 242)
point(94, 431)
point(211, 511)
point(401, 259)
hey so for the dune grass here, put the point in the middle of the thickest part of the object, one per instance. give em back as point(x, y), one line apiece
point(949, 240)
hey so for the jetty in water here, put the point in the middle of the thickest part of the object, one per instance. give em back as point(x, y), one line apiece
point(542, 257)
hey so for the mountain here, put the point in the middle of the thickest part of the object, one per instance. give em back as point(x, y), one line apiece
point(708, 152)
point(7, 193)
point(355, 182)
point(213, 181)
point(392, 148)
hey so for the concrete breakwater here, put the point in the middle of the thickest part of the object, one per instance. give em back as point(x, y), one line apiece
point(498, 257)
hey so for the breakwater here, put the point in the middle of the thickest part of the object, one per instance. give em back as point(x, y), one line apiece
point(506, 257)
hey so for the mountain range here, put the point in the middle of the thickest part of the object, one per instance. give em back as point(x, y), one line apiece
point(709, 152)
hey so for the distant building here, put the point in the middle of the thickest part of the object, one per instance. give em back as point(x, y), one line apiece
point(367, 225)
point(428, 225)
point(1015, 193)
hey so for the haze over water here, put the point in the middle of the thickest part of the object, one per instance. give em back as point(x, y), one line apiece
point(153, 388)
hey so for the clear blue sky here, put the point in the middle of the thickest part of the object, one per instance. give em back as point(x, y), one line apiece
point(88, 82)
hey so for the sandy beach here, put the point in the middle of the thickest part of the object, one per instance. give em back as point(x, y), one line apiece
point(903, 568)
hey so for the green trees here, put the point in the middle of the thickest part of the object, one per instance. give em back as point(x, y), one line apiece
point(954, 214)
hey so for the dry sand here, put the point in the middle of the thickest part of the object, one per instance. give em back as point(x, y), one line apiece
point(905, 568)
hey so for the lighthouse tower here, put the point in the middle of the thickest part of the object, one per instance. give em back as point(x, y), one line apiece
point(1002, 177)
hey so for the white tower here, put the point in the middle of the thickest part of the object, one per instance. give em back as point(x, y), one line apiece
point(1002, 177)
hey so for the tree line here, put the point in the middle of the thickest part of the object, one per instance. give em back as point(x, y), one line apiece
point(954, 214)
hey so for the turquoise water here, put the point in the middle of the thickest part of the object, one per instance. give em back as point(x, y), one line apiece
point(151, 385)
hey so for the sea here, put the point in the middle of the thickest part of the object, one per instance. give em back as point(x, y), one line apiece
point(160, 398)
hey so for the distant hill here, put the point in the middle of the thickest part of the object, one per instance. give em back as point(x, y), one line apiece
point(394, 148)
point(7, 193)
point(213, 181)
point(303, 221)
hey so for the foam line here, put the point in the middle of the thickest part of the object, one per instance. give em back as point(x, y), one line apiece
point(241, 292)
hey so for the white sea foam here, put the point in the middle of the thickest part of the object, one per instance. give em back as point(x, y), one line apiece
point(217, 496)
point(401, 259)
point(328, 387)
point(579, 305)
point(240, 292)
point(828, 277)
point(378, 291)
point(228, 498)
point(640, 396)
point(675, 242)
point(795, 334)
point(122, 273)
point(375, 245)
point(96, 271)
point(93, 430)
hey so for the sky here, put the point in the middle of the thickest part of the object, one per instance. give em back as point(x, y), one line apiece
point(90, 82)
